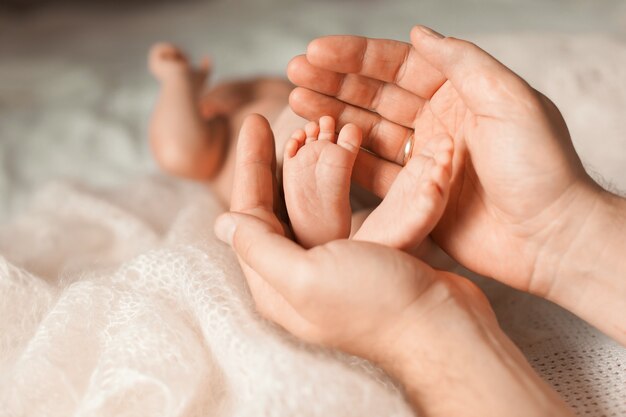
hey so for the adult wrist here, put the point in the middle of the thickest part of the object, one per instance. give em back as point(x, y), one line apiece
point(455, 360)
point(586, 263)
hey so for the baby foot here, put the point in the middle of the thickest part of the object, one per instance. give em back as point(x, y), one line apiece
point(416, 200)
point(167, 62)
point(316, 178)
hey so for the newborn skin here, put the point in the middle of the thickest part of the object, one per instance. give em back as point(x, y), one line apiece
point(316, 178)
point(415, 201)
point(193, 131)
point(193, 134)
point(317, 169)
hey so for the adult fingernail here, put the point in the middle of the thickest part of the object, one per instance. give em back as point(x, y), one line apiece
point(225, 228)
point(430, 32)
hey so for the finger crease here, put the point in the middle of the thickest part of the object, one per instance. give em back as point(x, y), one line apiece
point(342, 82)
point(401, 70)
point(375, 101)
point(373, 132)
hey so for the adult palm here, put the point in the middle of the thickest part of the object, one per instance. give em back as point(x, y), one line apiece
point(516, 175)
point(355, 296)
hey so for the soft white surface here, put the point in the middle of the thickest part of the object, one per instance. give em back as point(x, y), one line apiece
point(125, 294)
point(75, 95)
point(137, 310)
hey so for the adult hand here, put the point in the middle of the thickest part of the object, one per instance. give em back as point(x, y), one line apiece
point(521, 209)
point(348, 295)
point(434, 331)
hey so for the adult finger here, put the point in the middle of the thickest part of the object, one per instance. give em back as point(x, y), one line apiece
point(270, 276)
point(480, 79)
point(385, 60)
point(254, 185)
point(381, 136)
point(387, 99)
point(255, 193)
point(278, 260)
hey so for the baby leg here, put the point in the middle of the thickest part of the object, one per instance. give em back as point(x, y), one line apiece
point(183, 142)
point(415, 201)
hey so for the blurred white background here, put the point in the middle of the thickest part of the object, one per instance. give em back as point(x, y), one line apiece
point(75, 95)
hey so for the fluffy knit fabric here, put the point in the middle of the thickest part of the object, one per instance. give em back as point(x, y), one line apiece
point(120, 302)
point(123, 303)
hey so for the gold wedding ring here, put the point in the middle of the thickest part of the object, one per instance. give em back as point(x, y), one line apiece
point(408, 149)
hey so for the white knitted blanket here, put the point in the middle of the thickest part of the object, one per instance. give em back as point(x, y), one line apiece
point(123, 303)
point(120, 302)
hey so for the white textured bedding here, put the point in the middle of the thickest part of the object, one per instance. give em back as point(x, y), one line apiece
point(112, 304)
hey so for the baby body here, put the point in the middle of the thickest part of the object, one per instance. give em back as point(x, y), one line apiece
point(193, 134)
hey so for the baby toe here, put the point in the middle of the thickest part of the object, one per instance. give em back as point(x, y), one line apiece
point(350, 138)
point(312, 131)
point(299, 135)
point(440, 178)
point(291, 148)
point(206, 64)
point(294, 143)
point(327, 128)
